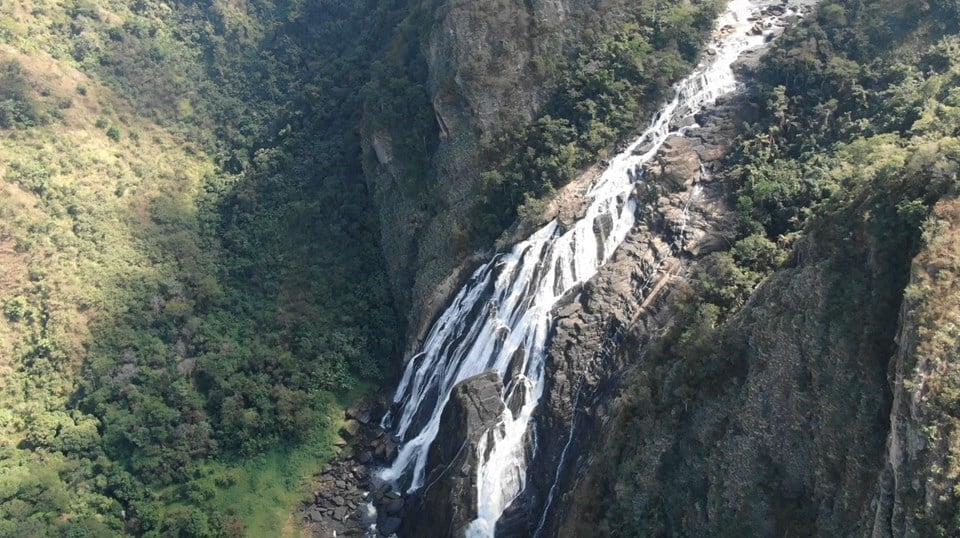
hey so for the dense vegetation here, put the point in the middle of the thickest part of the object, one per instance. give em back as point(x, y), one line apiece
point(188, 259)
point(855, 137)
point(190, 272)
point(606, 90)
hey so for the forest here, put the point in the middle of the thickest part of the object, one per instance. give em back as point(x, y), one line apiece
point(191, 284)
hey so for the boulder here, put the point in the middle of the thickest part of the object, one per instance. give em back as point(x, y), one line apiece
point(360, 415)
point(393, 506)
point(350, 428)
point(450, 503)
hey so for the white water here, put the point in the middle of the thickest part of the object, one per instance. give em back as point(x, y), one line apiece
point(501, 317)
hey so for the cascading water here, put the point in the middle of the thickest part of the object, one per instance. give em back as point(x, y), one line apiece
point(501, 317)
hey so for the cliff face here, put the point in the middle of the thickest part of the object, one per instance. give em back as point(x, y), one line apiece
point(780, 427)
point(475, 406)
point(682, 218)
point(916, 493)
point(488, 70)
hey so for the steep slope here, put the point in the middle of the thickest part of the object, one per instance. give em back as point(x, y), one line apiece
point(794, 407)
point(916, 494)
point(484, 105)
point(190, 275)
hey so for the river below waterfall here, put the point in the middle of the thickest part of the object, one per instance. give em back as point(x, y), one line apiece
point(502, 316)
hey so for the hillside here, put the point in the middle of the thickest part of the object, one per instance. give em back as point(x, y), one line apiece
point(802, 381)
point(186, 250)
point(192, 221)
point(224, 223)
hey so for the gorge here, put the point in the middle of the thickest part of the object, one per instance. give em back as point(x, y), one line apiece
point(503, 317)
point(506, 268)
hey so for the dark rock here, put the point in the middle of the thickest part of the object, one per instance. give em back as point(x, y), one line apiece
point(340, 513)
point(475, 405)
point(388, 525)
point(338, 500)
point(360, 415)
point(518, 396)
point(393, 506)
point(379, 493)
point(340, 484)
point(389, 450)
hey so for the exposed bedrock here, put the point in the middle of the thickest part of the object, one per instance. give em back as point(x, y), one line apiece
point(682, 217)
point(448, 501)
point(483, 80)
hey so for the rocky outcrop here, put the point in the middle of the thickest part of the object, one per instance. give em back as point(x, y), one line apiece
point(778, 423)
point(682, 218)
point(486, 74)
point(346, 498)
point(917, 489)
point(448, 501)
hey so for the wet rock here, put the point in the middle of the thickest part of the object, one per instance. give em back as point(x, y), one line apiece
point(393, 506)
point(389, 526)
point(475, 405)
point(390, 450)
point(379, 494)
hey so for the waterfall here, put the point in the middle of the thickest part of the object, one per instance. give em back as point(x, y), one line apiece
point(501, 317)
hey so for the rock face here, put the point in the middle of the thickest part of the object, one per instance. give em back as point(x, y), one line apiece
point(917, 488)
point(485, 75)
point(449, 500)
point(682, 218)
point(795, 421)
